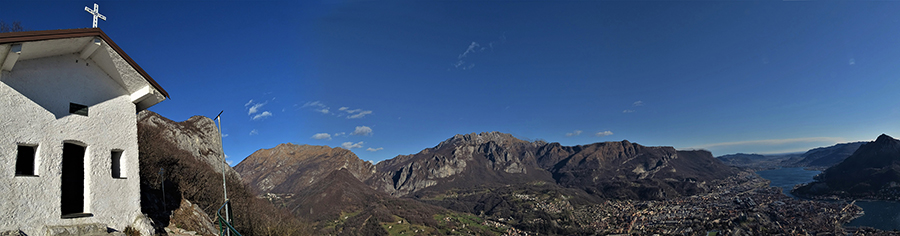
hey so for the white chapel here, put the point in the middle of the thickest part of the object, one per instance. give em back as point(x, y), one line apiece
point(68, 131)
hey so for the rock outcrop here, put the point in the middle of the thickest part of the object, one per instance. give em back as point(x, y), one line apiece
point(197, 135)
point(181, 181)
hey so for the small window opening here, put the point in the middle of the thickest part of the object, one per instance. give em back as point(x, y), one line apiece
point(118, 170)
point(78, 109)
point(25, 160)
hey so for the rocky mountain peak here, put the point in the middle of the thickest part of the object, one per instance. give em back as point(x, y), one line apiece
point(884, 138)
point(481, 138)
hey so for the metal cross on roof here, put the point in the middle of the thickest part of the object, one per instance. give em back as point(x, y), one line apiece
point(96, 13)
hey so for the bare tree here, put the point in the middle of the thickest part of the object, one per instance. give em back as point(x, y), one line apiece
point(16, 26)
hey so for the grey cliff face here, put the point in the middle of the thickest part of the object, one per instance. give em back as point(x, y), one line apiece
point(198, 135)
point(476, 153)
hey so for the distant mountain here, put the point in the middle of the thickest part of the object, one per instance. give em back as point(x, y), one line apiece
point(827, 156)
point(821, 157)
point(323, 185)
point(612, 169)
point(289, 168)
point(743, 159)
point(873, 171)
point(492, 175)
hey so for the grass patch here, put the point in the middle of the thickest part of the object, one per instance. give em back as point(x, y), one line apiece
point(465, 224)
point(400, 226)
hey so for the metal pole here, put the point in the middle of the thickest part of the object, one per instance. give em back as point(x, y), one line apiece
point(224, 186)
point(162, 181)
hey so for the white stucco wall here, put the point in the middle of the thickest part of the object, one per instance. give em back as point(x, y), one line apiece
point(34, 110)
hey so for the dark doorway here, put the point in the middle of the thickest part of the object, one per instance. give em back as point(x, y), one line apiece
point(72, 198)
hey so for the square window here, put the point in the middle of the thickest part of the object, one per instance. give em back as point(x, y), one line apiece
point(78, 109)
point(25, 160)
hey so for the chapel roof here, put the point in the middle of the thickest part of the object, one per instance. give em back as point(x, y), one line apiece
point(32, 36)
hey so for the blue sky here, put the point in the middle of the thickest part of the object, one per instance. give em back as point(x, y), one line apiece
point(390, 78)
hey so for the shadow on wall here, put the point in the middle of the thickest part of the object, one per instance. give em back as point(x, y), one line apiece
point(56, 82)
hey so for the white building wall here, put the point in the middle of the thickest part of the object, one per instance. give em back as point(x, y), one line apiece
point(34, 109)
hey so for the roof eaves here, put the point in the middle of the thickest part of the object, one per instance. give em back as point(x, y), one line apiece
point(27, 36)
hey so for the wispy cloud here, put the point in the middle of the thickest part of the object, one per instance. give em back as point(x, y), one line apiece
point(634, 104)
point(603, 133)
point(355, 113)
point(317, 106)
point(342, 111)
point(471, 49)
point(349, 145)
point(254, 107)
point(322, 136)
point(340, 134)
point(574, 133)
point(262, 115)
point(254, 132)
point(770, 142)
point(374, 149)
point(360, 114)
point(362, 130)
point(224, 135)
point(474, 47)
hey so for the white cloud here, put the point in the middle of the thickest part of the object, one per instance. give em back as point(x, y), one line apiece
point(351, 114)
point(574, 133)
point(638, 103)
point(603, 133)
point(471, 48)
point(628, 111)
point(349, 145)
point(361, 114)
point(229, 162)
point(224, 135)
point(254, 108)
point(340, 134)
point(355, 113)
point(322, 136)
point(374, 149)
point(254, 132)
point(248, 103)
point(314, 104)
point(362, 130)
point(262, 115)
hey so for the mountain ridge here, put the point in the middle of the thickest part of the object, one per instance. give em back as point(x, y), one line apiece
point(871, 172)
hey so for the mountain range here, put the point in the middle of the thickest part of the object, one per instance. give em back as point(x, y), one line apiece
point(473, 184)
point(473, 173)
point(816, 158)
point(871, 172)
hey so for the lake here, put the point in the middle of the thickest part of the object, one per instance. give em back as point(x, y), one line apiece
point(879, 214)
